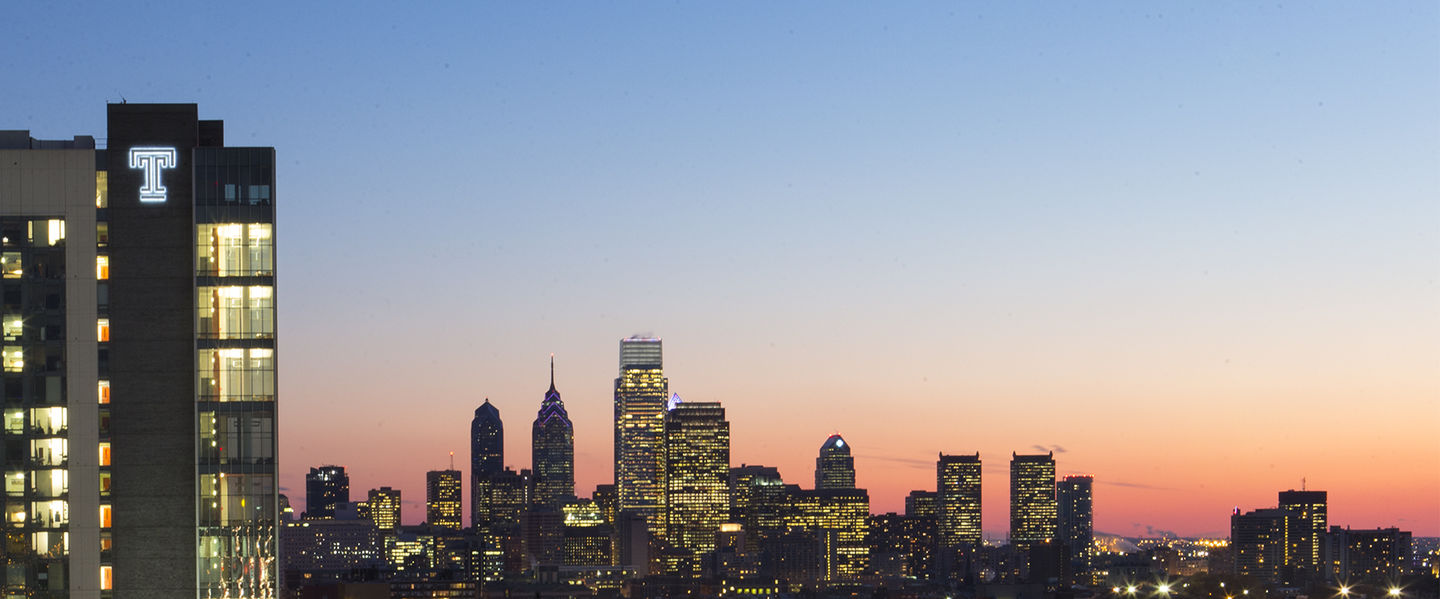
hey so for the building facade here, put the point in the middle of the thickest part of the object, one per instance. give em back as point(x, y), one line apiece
point(1075, 519)
point(1032, 499)
point(487, 459)
point(957, 484)
point(697, 461)
point(1308, 540)
point(834, 467)
point(442, 498)
point(552, 449)
point(326, 488)
point(1260, 543)
point(384, 505)
point(641, 393)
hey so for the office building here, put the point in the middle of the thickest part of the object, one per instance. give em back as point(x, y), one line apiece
point(442, 498)
point(697, 479)
point(1032, 499)
point(902, 545)
point(326, 488)
point(957, 484)
point(1075, 519)
point(552, 449)
point(923, 504)
point(758, 500)
point(641, 392)
point(834, 467)
point(384, 506)
point(180, 232)
point(1308, 540)
point(487, 458)
point(1260, 543)
point(843, 513)
point(1378, 556)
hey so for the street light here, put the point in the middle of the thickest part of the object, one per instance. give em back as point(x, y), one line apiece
point(1394, 591)
point(1345, 591)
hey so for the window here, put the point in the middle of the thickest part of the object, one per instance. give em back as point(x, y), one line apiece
point(10, 265)
point(104, 390)
point(102, 268)
point(14, 327)
point(107, 578)
point(102, 189)
point(231, 249)
point(12, 358)
point(102, 330)
point(104, 454)
point(236, 374)
point(105, 516)
point(235, 312)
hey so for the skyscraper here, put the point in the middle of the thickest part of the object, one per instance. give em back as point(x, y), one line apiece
point(442, 498)
point(385, 507)
point(487, 458)
point(1308, 540)
point(641, 392)
point(834, 467)
point(1032, 499)
point(957, 482)
point(326, 488)
point(1260, 543)
point(1075, 519)
point(697, 480)
point(552, 449)
point(758, 500)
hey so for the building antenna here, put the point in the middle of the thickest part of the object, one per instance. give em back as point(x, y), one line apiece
point(1302, 483)
point(452, 460)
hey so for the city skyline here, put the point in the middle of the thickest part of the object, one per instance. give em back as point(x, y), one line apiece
point(1191, 250)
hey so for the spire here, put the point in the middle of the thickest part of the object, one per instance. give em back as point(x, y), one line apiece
point(552, 371)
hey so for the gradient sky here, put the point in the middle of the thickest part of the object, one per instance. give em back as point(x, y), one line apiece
point(1193, 248)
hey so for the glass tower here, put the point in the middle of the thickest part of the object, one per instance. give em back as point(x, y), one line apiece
point(552, 449)
point(957, 484)
point(834, 467)
point(487, 459)
point(697, 480)
point(641, 392)
point(1032, 499)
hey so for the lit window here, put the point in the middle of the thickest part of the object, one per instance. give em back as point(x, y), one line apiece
point(102, 268)
point(104, 388)
point(102, 189)
point(12, 358)
point(56, 230)
point(102, 329)
point(10, 265)
point(105, 516)
point(106, 577)
point(14, 327)
point(104, 454)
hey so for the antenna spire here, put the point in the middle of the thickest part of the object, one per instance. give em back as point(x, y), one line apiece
point(452, 460)
point(552, 370)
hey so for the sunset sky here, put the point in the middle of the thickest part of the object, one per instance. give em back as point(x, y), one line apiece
point(1191, 248)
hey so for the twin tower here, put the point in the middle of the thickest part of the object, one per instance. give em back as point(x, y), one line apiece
point(552, 457)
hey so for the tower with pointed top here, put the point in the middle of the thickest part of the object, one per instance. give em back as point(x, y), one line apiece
point(835, 468)
point(487, 458)
point(552, 449)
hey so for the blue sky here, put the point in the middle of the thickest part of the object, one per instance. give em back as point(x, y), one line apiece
point(980, 211)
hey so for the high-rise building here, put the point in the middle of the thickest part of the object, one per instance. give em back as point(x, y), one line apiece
point(1075, 519)
point(326, 488)
point(758, 501)
point(1260, 543)
point(834, 467)
point(641, 392)
point(958, 511)
point(1308, 540)
point(552, 449)
point(442, 498)
point(1378, 556)
point(843, 516)
point(182, 359)
point(1032, 499)
point(923, 504)
point(57, 497)
point(384, 506)
point(697, 479)
point(487, 458)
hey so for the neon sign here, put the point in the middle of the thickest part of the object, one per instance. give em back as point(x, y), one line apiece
point(152, 160)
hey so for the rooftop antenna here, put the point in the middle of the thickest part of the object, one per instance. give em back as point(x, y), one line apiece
point(1302, 483)
point(452, 460)
point(552, 369)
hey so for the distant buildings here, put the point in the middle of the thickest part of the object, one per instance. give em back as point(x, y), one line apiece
point(552, 449)
point(1260, 542)
point(442, 498)
point(641, 392)
point(834, 467)
point(1378, 556)
point(385, 508)
point(1032, 499)
point(957, 509)
point(1307, 540)
point(326, 488)
point(1075, 519)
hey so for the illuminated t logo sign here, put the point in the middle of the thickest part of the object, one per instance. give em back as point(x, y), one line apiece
point(152, 160)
